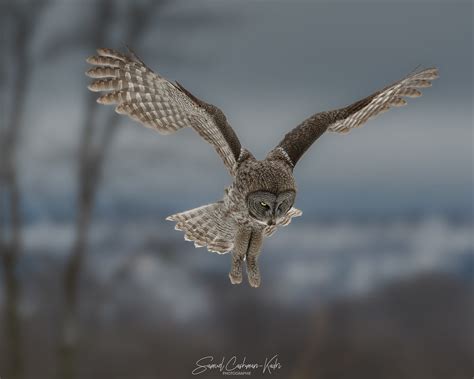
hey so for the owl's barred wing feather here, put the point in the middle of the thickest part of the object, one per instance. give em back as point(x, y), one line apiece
point(157, 103)
point(381, 101)
point(296, 142)
point(207, 226)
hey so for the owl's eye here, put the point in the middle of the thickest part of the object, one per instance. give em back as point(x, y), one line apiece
point(263, 204)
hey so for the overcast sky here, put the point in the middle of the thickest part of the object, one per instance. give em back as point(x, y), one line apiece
point(269, 65)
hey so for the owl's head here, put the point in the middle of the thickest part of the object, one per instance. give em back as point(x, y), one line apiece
point(269, 187)
point(267, 207)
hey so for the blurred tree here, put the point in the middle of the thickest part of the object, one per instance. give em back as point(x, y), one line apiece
point(19, 20)
point(95, 141)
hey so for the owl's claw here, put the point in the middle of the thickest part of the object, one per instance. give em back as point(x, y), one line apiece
point(254, 281)
point(253, 276)
point(253, 272)
point(235, 278)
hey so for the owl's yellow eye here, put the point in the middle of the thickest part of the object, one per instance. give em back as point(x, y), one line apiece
point(263, 204)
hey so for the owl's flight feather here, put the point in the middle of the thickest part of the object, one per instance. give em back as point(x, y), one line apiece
point(296, 142)
point(157, 103)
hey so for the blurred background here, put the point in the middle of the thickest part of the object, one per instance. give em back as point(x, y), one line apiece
point(374, 281)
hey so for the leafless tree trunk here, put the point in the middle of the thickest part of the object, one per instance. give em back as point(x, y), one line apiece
point(22, 21)
point(95, 143)
point(87, 177)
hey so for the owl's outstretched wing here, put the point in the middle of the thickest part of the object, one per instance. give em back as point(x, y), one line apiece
point(297, 141)
point(157, 103)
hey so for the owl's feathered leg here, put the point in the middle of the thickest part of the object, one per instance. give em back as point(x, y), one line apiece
point(241, 244)
point(253, 251)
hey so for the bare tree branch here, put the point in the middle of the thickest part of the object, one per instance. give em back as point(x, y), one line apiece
point(24, 17)
point(94, 145)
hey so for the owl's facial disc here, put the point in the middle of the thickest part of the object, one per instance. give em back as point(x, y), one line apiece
point(267, 207)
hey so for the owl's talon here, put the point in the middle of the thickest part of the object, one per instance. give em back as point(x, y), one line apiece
point(253, 272)
point(254, 281)
point(235, 279)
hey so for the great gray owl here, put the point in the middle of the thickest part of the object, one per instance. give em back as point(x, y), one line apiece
point(262, 193)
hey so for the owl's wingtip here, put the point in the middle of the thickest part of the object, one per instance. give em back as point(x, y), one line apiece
point(88, 72)
point(92, 59)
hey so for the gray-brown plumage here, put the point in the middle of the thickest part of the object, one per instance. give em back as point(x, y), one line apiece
point(262, 193)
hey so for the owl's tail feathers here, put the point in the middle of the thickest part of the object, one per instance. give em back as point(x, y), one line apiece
point(207, 226)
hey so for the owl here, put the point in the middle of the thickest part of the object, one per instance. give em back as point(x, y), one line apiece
point(262, 193)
